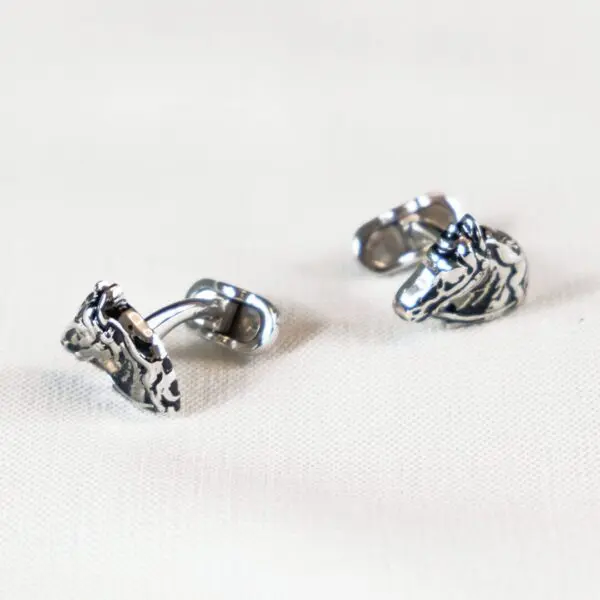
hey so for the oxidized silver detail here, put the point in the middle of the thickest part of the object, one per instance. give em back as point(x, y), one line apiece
point(472, 273)
point(113, 336)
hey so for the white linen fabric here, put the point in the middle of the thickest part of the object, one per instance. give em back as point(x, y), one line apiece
point(154, 143)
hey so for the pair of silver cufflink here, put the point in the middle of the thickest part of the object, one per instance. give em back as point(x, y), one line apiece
point(465, 273)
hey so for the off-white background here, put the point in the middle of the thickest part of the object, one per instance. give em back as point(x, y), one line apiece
point(153, 143)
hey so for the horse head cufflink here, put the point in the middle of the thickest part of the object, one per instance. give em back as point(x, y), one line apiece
point(465, 272)
point(108, 332)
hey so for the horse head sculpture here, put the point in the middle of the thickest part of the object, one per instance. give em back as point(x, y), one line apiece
point(472, 273)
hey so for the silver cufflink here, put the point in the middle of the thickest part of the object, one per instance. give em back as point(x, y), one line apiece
point(108, 332)
point(465, 272)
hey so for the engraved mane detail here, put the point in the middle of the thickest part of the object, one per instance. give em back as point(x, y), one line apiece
point(471, 274)
point(109, 333)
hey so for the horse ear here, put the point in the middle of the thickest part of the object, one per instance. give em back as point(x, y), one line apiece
point(469, 227)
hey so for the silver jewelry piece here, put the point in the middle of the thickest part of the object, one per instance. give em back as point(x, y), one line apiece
point(467, 273)
point(108, 332)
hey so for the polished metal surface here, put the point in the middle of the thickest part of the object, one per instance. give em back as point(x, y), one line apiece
point(113, 336)
point(471, 274)
point(400, 237)
point(252, 321)
point(214, 314)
